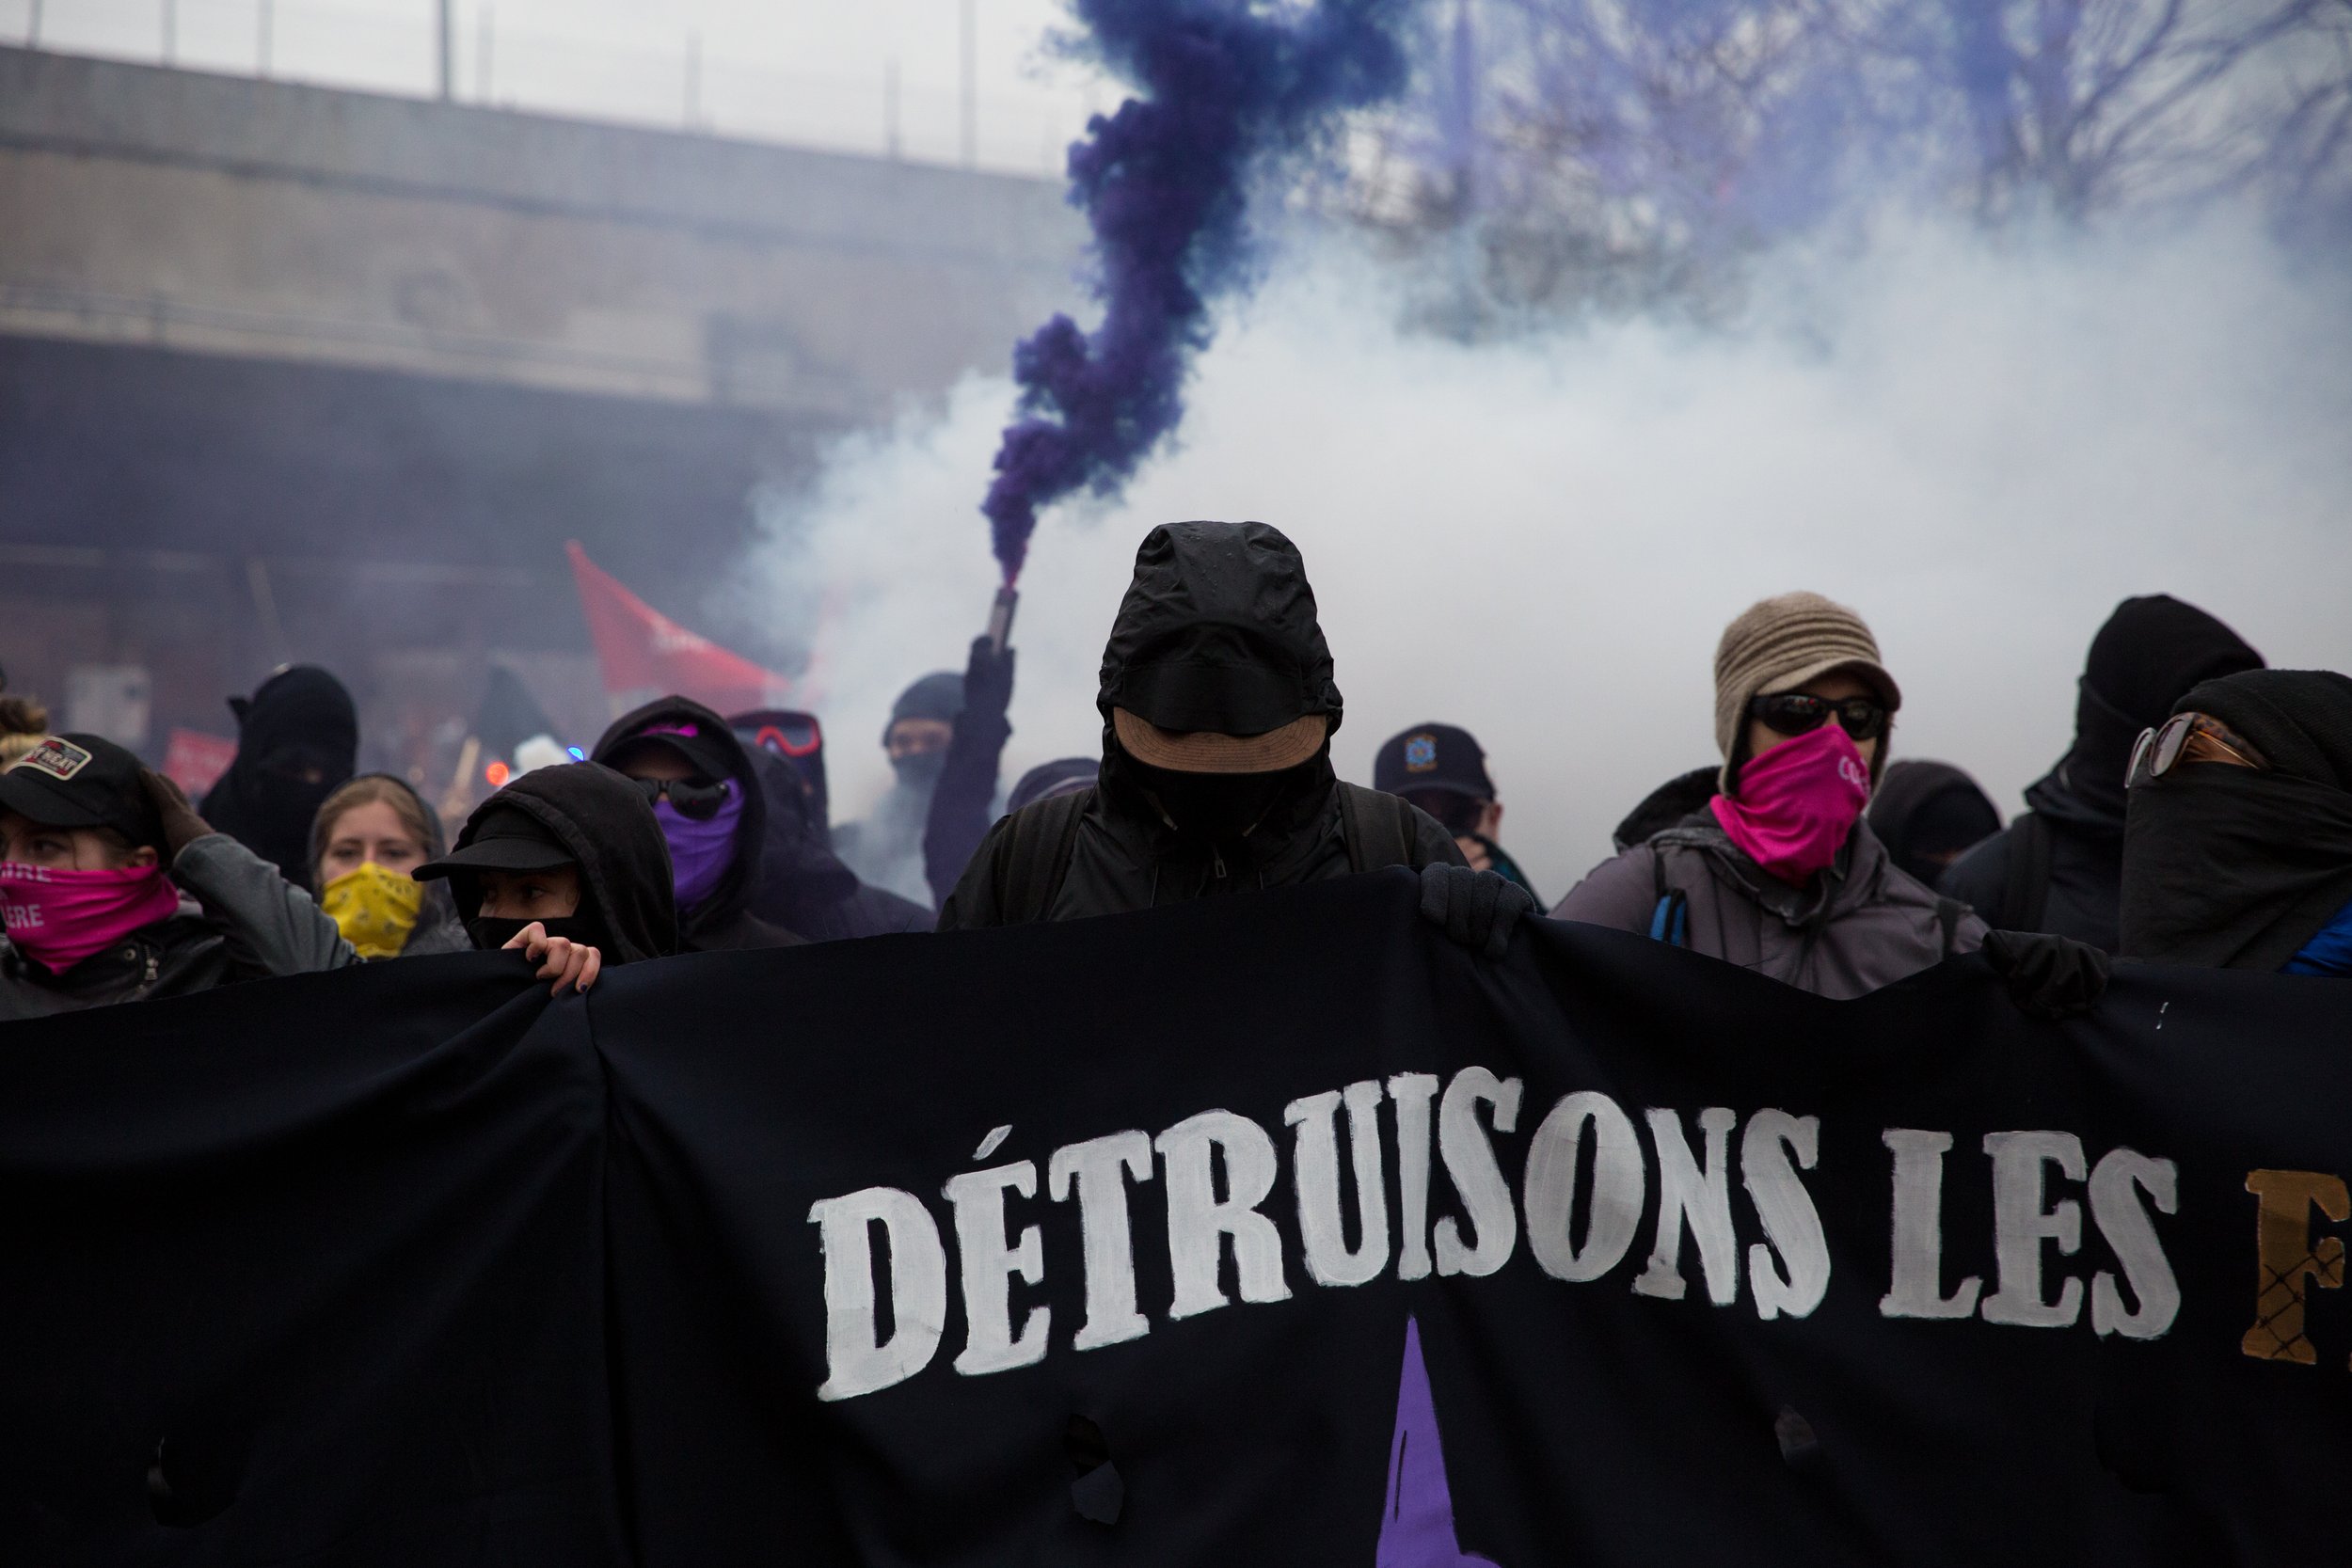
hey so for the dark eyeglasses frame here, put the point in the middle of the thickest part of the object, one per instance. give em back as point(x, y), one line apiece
point(1802, 713)
point(2187, 737)
point(698, 801)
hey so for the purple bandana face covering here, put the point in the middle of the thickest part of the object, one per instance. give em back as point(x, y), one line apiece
point(700, 852)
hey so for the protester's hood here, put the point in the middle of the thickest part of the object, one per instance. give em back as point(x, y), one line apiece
point(2234, 867)
point(1218, 632)
point(1922, 808)
point(936, 696)
point(798, 870)
point(1667, 806)
point(711, 737)
point(2150, 650)
point(602, 820)
point(299, 720)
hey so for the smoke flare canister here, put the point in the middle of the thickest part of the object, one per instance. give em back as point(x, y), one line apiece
point(1000, 616)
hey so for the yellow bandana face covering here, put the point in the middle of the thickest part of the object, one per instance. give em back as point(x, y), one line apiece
point(375, 909)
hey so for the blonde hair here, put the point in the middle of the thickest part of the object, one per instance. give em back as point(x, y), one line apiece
point(24, 724)
point(370, 789)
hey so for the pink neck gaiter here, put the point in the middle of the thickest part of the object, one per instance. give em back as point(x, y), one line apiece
point(59, 918)
point(1798, 802)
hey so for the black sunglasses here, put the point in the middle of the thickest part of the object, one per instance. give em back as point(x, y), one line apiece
point(699, 802)
point(1797, 713)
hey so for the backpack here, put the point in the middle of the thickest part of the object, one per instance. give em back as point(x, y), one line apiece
point(1043, 839)
point(1670, 917)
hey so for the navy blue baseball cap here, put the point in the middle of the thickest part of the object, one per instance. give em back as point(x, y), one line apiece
point(1432, 756)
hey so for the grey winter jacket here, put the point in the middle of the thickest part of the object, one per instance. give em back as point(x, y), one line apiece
point(1861, 925)
point(238, 920)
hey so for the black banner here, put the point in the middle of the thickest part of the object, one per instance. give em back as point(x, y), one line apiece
point(1266, 1229)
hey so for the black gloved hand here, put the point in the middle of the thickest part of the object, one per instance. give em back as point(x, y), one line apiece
point(1475, 909)
point(988, 680)
point(182, 826)
point(2049, 976)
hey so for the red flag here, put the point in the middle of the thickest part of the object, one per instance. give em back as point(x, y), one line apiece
point(646, 655)
point(194, 761)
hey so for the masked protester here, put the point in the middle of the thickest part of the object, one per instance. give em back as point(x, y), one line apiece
point(298, 739)
point(567, 866)
point(802, 886)
point(2060, 865)
point(1779, 872)
point(370, 835)
point(1928, 815)
point(1218, 703)
point(113, 890)
point(886, 849)
point(963, 801)
point(698, 779)
point(1442, 770)
point(2238, 846)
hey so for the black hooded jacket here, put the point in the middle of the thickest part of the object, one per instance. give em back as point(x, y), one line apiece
point(724, 921)
point(1218, 632)
point(2229, 867)
point(603, 820)
point(1922, 810)
point(802, 886)
point(297, 740)
point(2058, 865)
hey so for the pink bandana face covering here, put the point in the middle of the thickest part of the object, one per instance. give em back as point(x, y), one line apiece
point(58, 918)
point(1798, 802)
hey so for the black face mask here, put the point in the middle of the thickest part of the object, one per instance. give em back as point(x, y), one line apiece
point(489, 932)
point(1221, 806)
point(920, 770)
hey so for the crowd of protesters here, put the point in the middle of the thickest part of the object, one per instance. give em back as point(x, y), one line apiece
point(2200, 815)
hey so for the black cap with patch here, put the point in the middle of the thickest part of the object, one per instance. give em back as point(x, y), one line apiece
point(505, 839)
point(82, 781)
point(1433, 756)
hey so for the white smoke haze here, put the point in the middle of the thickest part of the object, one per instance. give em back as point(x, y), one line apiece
point(1981, 444)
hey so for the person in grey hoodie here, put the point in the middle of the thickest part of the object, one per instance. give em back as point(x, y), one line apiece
point(1780, 872)
point(114, 890)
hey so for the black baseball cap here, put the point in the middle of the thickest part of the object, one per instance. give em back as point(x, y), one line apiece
point(697, 741)
point(1432, 756)
point(506, 839)
point(82, 781)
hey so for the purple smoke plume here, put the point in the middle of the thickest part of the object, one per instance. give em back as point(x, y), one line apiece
point(1229, 89)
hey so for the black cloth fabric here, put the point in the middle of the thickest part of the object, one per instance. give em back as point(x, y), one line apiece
point(1477, 910)
point(505, 1279)
point(2234, 867)
point(937, 696)
point(725, 919)
point(1926, 813)
point(804, 888)
point(1058, 777)
point(2049, 976)
point(963, 802)
point(1218, 632)
point(2151, 649)
point(603, 820)
point(298, 739)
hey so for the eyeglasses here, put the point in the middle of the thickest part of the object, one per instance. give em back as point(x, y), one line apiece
point(699, 802)
point(2187, 737)
point(1800, 713)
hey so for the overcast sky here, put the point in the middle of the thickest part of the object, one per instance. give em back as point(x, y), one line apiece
point(812, 72)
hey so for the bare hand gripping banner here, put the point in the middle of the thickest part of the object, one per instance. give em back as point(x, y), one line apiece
point(1274, 1230)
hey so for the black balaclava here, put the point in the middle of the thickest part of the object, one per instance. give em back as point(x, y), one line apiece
point(2152, 650)
point(1926, 813)
point(938, 695)
point(1218, 631)
point(301, 720)
point(600, 819)
point(2230, 867)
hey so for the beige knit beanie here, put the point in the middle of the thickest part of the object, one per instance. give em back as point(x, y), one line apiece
point(1778, 645)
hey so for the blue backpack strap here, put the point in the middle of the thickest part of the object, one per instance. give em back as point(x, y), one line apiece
point(1670, 919)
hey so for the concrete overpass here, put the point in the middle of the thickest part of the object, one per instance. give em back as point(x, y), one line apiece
point(293, 372)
